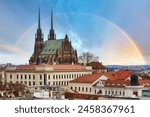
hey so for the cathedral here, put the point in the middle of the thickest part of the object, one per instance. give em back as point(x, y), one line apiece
point(58, 51)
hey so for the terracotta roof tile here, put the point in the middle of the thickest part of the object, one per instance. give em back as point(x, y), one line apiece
point(55, 67)
point(117, 83)
point(122, 83)
point(146, 83)
point(121, 74)
point(97, 65)
point(67, 67)
point(25, 67)
point(88, 78)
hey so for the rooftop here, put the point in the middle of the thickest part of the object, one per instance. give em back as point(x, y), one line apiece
point(117, 83)
point(97, 65)
point(51, 46)
point(66, 67)
point(88, 78)
point(121, 74)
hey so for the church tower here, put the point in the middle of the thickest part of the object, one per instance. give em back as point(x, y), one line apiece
point(52, 51)
point(52, 35)
point(38, 43)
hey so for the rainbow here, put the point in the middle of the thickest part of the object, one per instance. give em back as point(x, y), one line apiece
point(132, 42)
point(14, 49)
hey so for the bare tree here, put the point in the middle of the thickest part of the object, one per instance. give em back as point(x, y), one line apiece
point(86, 57)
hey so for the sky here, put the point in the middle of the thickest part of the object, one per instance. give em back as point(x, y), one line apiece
point(115, 30)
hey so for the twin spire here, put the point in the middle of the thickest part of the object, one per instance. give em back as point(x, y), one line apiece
point(51, 18)
point(39, 22)
point(51, 35)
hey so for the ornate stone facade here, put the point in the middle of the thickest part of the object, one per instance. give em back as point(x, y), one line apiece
point(59, 51)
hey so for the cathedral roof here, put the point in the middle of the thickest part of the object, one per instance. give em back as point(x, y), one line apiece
point(50, 46)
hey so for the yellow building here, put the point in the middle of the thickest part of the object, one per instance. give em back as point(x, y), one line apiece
point(41, 75)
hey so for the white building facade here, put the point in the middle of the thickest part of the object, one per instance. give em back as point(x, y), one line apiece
point(39, 75)
point(105, 85)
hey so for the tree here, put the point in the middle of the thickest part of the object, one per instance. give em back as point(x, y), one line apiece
point(86, 57)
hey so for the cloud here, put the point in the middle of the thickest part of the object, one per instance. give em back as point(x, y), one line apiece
point(14, 49)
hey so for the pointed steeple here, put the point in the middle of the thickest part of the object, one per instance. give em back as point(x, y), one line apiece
point(66, 37)
point(52, 19)
point(39, 34)
point(39, 42)
point(51, 35)
point(39, 22)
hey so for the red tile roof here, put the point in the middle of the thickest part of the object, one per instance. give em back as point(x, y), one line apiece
point(80, 96)
point(67, 67)
point(88, 78)
point(116, 79)
point(55, 67)
point(123, 83)
point(26, 67)
point(97, 65)
point(121, 74)
point(117, 83)
point(146, 83)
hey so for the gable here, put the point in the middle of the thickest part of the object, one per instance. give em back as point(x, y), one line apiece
point(100, 79)
point(99, 83)
point(51, 46)
point(103, 77)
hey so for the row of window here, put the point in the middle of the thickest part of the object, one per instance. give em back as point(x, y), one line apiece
point(107, 92)
point(114, 92)
point(23, 76)
point(60, 83)
point(62, 76)
point(66, 76)
point(26, 76)
point(28, 83)
point(83, 89)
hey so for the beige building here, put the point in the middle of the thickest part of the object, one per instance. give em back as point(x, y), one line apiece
point(114, 84)
point(50, 75)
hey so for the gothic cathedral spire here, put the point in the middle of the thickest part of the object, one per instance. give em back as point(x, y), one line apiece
point(52, 19)
point(38, 42)
point(52, 35)
point(39, 34)
point(39, 22)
